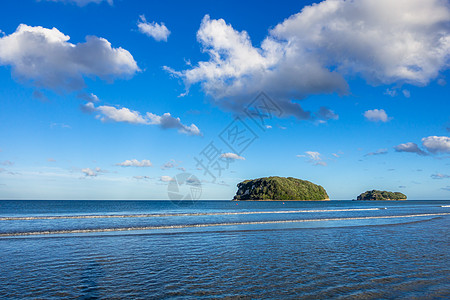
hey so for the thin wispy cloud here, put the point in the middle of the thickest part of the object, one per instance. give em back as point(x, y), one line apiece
point(231, 156)
point(440, 176)
point(314, 158)
point(378, 152)
point(80, 2)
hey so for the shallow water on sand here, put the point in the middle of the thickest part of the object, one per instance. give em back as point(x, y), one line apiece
point(154, 249)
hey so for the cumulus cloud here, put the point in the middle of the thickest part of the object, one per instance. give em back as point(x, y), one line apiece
point(311, 52)
point(112, 114)
point(378, 152)
point(168, 165)
point(135, 163)
point(157, 31)
point(376, 115)
point(47, 59)
point(410, 147)
point(439, 176)
point(231, 156)
point(88, 172)
point(437, 144)
point(166, 178)
point(81, 2)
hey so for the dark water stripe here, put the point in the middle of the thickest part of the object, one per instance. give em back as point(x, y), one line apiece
point(212, 224)
point(181, 214)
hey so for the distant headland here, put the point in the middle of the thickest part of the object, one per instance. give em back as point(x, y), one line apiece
point(381, 195)
point(279, 188)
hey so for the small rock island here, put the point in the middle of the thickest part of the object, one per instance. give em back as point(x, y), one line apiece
point(279, 188)
point(381, 195)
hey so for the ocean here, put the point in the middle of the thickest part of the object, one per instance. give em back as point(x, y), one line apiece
point(225, 249)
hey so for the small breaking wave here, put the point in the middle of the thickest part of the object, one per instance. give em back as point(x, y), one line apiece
point(181, 214)
point(210, 225)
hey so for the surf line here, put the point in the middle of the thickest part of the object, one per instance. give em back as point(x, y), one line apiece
point(211, 224)
point(181, 214)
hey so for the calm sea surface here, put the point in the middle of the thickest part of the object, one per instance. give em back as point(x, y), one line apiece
point(224, 249)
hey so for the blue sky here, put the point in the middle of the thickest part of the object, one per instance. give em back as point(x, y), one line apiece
point(113, 99)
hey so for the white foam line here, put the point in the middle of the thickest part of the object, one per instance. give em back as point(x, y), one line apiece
point(181, 214)
point(212, 224)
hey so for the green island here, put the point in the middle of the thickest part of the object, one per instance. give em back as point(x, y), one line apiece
point(381, 195)
point(279, 188)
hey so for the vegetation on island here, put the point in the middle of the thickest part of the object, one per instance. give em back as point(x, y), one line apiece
point(279, 188)
point(381, 195)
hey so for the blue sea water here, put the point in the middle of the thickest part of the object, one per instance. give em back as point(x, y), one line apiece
point(225, 249)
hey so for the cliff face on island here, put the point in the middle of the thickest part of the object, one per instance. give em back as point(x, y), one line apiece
point(381, 195)
point(279, 188)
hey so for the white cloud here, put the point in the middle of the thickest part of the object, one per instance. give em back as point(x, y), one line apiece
point(410, 147)
point(376, 115)
point(81, 2)
point(157, 31)
point(314, 157)
point(88, 172)
point(45, 58)
point(168, 165)
point(311, 52)
point(135, 163)
point(166, 178)
point(437, 144)
point(232, 156)
point(110, 113)
point(165, 121)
